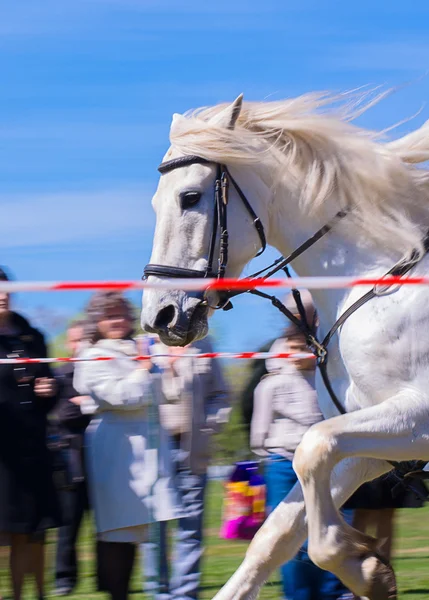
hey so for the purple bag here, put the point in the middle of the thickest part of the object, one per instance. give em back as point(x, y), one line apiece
point(244, 502)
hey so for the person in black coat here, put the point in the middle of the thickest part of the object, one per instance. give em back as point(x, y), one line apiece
point(28, 499)
point(71, 424)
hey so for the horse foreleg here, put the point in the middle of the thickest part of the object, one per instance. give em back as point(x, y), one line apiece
point(285, 530)
point(394, 430)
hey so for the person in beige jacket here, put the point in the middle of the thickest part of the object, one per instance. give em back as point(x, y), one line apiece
point(285, 406)
point(197, 406)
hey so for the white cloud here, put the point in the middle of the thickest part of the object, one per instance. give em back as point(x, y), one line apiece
point(66, 217)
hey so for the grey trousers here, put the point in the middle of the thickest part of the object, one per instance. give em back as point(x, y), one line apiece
point(184, 581)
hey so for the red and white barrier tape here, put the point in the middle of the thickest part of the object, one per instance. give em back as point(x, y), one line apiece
point(231, 355)
point(311, 283)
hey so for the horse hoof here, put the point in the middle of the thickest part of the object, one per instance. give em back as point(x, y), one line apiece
point(382, 578)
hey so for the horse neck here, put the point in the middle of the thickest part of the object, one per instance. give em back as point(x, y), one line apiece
point(332, 256)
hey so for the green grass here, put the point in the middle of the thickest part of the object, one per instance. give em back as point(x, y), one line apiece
point(223, 557)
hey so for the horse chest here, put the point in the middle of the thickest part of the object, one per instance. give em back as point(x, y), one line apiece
point(384, 344)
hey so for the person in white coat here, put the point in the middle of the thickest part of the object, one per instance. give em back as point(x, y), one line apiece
point(128, 452)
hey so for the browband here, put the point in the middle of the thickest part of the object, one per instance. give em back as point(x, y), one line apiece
point(182, 161)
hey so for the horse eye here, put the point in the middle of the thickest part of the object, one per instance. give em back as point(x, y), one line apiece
point(188, 199)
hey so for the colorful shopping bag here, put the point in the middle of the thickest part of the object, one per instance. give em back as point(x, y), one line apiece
point(244, 502)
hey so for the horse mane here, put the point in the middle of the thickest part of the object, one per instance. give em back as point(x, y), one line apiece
point(311, 147)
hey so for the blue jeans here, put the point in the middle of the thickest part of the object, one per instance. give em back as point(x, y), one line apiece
point(188, 548)
point(301, 579)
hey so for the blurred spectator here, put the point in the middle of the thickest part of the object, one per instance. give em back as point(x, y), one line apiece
point(285, 406)
point(256, 369)
point(197, 407)
point(128, 453)
point(71, 425)
point(376, 502)
point(28, 500)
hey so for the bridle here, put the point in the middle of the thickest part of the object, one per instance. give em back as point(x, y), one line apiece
point(223, 180)
point(220, 225)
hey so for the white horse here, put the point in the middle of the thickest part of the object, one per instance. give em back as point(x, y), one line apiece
point(298, 166)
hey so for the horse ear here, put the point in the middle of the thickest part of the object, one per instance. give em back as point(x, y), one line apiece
point(229, 115)
point(176, 119)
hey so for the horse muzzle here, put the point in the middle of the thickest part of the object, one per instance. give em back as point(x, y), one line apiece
point(176, 326)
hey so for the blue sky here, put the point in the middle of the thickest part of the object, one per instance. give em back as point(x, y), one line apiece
point(88, 90)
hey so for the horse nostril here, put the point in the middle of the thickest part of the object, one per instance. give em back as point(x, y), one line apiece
point(165, 317)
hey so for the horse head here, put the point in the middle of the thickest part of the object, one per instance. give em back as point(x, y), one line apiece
point(190, 218)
